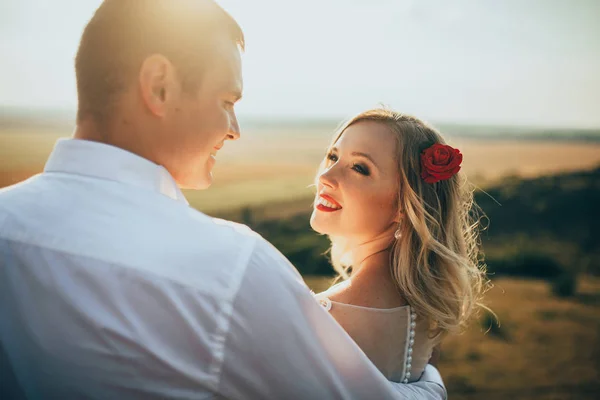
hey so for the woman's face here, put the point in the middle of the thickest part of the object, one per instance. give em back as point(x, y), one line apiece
point(358, 188)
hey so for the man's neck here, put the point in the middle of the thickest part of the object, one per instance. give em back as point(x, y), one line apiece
point(121, 134)
point(90, 130)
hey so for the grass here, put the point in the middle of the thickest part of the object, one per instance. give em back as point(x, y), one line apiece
point(545, 347)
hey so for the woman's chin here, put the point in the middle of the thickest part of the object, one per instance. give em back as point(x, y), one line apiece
point(314, 224)
point(317, 224)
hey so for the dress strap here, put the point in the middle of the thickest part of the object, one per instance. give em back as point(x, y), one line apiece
point(323, 300)
point(326, 303)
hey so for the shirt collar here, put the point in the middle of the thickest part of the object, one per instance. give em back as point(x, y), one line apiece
point(99, 160)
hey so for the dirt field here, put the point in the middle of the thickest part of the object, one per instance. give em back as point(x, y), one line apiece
point(279, 165)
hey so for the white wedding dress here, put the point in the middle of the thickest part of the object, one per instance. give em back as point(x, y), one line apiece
point(394, 339)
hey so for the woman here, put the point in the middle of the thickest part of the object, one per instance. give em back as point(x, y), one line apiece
point(398, 213)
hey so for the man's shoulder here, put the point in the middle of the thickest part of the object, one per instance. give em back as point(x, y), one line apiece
point(18, 189)
point(17, 199)
point(234, 228)
point(263, 260)
point(232, 234)
point(216, 230)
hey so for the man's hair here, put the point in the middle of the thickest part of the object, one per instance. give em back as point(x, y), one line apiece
point(123, 33)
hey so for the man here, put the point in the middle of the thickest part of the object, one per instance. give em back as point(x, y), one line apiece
point(112, 287)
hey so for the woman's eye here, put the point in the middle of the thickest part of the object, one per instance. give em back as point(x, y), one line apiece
point(361, 169)
point(332, 157)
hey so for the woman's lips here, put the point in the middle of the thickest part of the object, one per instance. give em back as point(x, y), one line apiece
point(321, 207)
point(327, 204)
point(331, 200)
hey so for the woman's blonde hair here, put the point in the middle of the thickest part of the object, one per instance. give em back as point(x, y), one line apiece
point(436, 263)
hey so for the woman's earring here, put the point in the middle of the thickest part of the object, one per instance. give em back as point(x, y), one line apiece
point(398, 234)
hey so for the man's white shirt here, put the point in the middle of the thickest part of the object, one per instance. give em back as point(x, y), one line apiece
point(112, 287)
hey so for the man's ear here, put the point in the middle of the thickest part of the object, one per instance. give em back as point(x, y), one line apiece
point(156, 83)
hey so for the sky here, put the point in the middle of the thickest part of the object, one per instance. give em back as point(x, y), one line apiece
point(510, 62)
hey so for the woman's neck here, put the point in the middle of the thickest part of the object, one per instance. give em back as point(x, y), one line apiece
point(373, 252)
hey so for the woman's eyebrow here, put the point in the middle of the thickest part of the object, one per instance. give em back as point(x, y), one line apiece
point(365, 155)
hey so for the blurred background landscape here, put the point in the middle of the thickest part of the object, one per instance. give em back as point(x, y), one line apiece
point(514, 85)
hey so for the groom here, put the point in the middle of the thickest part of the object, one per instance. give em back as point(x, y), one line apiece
point(112, 287)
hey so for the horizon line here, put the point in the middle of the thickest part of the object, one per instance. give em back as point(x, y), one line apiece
point(67, 113)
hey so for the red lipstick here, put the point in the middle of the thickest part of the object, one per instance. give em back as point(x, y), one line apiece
point(325, 208)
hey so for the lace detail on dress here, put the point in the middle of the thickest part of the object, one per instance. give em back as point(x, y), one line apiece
point(396, 349)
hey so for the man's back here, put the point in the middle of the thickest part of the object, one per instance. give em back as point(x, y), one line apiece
point(98, 278)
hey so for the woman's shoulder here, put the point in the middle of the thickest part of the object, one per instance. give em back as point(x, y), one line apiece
point(371, 288)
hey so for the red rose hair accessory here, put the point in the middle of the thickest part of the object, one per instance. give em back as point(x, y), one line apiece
point(440, 162)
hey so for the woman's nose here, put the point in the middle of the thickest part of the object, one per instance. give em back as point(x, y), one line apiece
point(327, 178)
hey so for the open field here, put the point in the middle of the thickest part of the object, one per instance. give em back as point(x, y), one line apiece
point(277, 164)
point(545, 348)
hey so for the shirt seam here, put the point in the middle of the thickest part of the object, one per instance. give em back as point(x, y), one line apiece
point(225, 323)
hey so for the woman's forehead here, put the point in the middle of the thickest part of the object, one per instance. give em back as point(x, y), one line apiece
point(368, 137)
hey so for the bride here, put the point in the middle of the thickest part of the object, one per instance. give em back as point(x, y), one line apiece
point(398, 213)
